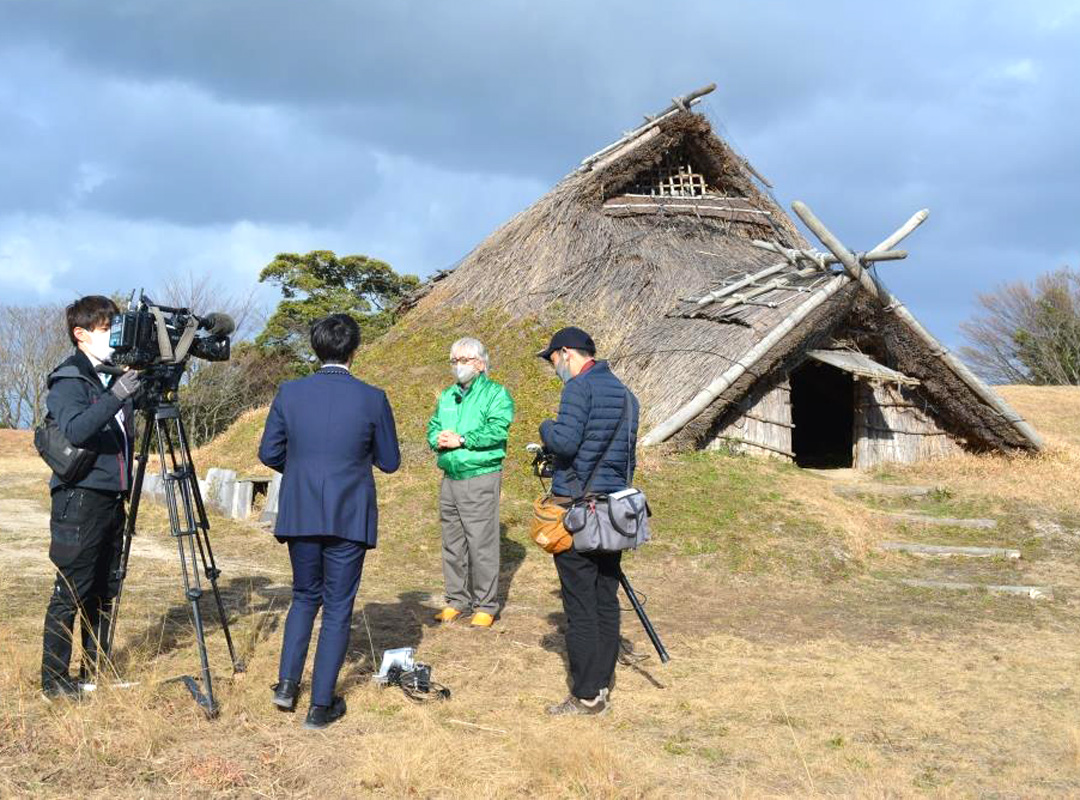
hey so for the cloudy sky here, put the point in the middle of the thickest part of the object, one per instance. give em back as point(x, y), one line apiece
point(141, 137)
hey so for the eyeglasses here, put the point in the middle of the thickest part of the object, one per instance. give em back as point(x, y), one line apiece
point(462, 360)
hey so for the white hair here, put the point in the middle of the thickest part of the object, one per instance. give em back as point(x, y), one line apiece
point(468, 346)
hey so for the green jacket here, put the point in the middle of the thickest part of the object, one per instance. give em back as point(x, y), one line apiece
point(482, 414)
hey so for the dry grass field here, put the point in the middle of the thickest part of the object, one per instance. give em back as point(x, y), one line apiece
point(801, 664)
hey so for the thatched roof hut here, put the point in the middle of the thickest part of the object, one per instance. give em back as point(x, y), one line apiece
point(649, 245)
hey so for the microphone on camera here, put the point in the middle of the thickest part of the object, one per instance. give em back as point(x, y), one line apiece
point(217, 324)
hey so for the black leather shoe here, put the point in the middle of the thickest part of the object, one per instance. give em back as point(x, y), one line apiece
point(285, 693)
point(319, 717)
point(60, 689)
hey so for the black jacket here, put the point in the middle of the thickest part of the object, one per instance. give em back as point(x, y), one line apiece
point(590, 411)
point(86, 413)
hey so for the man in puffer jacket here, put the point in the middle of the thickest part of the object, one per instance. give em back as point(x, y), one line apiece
point(597, 415)
point(469, 431)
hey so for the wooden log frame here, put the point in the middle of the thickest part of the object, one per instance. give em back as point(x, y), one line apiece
point(895, 432)
point(678, 104)
point(747, 280)
point(745, 298)
point(824, 259)
point(704, 398)
point(861, 367)
point(758, 418)
point(759, 445)
point(892, 305)
point(730, 299)
point(692, 206)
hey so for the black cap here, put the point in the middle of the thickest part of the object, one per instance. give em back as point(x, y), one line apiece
point(574, 338)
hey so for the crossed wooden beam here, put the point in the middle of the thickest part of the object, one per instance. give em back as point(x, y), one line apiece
point(854, 269)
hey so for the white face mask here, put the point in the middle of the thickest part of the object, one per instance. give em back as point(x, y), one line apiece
point(562, 369)
point(463, 373)
point(98, 346)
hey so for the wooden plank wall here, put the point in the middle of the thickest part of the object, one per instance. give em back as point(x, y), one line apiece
point(764, 428)
point(893, 426)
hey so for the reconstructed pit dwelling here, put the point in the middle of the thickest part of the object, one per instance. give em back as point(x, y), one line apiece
point(668, 246)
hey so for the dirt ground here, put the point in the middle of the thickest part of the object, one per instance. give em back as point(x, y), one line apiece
point(802, 664)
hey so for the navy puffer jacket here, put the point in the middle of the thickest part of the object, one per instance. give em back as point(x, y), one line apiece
point(589, 411)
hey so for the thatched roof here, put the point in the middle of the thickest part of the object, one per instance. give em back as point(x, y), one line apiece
point(629, 268)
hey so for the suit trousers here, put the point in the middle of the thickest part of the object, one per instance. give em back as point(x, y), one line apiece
point(469, 513)
point(86, 529)
point(326, 573)
point(590, 586)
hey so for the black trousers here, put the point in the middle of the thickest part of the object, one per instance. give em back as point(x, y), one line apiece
point(86, 528)
point(590, 587)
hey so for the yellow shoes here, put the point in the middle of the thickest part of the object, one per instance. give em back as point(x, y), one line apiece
point(479, 620)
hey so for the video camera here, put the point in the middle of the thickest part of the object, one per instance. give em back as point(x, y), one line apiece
point(543, 463)
point(148, 335)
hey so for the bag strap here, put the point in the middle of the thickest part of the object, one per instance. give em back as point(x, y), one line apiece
point(604, 455)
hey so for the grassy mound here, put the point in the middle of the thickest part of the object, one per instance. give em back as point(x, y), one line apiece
point(711, 504)
point(411, 364)
point(751, 515)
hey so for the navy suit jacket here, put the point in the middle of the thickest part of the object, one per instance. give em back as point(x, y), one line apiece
point(324, 432)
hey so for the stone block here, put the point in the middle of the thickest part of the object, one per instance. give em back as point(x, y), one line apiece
point(219, 490)
point(243, 497)
point(270, 510)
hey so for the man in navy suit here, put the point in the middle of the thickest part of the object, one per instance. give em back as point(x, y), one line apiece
point(324, 432)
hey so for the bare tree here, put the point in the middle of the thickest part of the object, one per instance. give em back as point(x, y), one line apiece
point(203, 294)
point(33, 340)
point(214, 394)
point(217, 393)
point(1028, 333)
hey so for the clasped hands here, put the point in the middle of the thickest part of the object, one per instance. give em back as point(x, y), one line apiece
point(448, 440)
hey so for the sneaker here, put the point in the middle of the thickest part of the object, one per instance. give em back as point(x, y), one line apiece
point(285, 692)
point(319, 717)
point(448, 614)
point(481, 619)
point(575, 706)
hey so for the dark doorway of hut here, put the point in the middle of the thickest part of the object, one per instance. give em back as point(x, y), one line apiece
point(823, 414)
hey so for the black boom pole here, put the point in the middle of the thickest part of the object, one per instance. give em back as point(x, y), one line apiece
point(640, 611)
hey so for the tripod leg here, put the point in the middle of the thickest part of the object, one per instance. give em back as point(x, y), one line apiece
point(202, 539)
point(112, 610)
point(645, 623)
point(212, 573)
point(178, 481)
point(193, 592)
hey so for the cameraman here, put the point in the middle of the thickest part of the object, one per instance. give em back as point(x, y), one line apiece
point(87, 518)
point(597, 415)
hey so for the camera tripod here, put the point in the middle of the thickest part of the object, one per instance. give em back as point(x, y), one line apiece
point(189, 525)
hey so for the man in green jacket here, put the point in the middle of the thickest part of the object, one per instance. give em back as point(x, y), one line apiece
point(468, 431)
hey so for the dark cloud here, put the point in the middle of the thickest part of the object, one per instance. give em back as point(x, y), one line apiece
point(412, 128)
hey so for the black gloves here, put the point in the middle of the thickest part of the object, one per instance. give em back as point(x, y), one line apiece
point(126, 385)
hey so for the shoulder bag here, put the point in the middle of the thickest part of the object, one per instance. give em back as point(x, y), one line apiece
point(608, 523)
point(70, 463)
point(548, 528)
